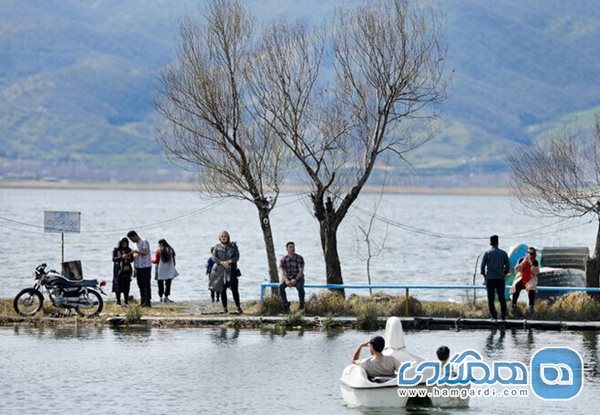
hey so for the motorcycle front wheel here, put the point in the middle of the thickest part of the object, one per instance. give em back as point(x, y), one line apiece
point(94, 306)
point(28, 302)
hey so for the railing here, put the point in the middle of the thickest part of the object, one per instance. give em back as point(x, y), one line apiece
point(407, 288)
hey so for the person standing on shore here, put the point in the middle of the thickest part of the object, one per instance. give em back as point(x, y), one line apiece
point(165, 270)
point(292, 274)
point(494, 267)
point(143, 267)
point(527, 270)
point(122, 270)
point(225, 273)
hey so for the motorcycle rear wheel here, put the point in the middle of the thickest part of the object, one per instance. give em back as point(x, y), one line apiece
point(94, 309)
point(28, 302)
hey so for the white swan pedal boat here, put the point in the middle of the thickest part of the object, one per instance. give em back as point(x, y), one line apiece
point(359, 391)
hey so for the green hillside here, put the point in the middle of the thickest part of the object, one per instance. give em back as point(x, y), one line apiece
point(77, 82)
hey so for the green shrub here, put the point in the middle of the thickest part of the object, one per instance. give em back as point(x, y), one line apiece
point(292, 320)
point(134, 314)
point(367, 314)
point(327, 322)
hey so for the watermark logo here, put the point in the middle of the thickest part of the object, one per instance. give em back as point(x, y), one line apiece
point(556, 373)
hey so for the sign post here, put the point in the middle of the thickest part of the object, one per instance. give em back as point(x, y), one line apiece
point(62, 222)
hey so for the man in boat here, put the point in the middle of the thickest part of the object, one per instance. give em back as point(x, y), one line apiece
point(443, 354)
point(377, 365)
point(494, 268)
point(292, 273)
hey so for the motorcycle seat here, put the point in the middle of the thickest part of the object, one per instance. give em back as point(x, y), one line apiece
point(63, 282)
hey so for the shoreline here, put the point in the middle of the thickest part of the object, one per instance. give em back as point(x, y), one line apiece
point(304, 323)
point(186, 187)
point(204, 314)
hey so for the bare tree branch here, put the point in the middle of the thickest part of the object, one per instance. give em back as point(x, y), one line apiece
point(205, 100)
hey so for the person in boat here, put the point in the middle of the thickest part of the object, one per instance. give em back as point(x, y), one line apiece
point(494, 267)
point(377, 365)
point(527, 270)
point(443, 354)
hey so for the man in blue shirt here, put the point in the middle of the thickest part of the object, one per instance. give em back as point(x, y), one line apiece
point(494, 267)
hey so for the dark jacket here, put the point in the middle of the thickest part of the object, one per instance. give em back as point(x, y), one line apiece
point(122, 269)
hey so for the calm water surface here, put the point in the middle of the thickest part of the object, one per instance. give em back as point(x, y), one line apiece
point(191, 224)
point(220, 371)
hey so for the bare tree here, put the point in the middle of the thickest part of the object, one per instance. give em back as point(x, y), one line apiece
point(388, 65)
point(372, 248)
point(561, 178)
point(209, 127)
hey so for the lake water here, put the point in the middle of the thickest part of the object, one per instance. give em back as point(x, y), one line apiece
point(191, 224)
point(223, 371)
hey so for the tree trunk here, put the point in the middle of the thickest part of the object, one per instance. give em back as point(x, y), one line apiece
point(592, 266)
point(333, 268)
point(265, 224)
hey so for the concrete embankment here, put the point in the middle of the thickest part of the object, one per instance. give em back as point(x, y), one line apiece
point(307, 322)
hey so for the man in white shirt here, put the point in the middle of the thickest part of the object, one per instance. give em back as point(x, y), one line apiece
point(377, 365)
point(143, 267)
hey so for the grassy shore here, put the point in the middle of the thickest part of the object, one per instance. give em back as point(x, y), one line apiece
point(324, 310)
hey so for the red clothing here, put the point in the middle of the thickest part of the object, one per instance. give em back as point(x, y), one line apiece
point(526, 269)
point(526, 273)
point(156, 258)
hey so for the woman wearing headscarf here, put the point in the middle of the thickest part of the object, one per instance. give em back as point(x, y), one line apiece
point(122, 270)
point(224, 273)
point(527, 270)
point(164, 259)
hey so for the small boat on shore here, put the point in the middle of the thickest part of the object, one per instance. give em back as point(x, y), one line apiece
point(360, 391)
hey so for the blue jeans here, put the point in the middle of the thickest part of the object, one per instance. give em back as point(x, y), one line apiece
point(299, 286)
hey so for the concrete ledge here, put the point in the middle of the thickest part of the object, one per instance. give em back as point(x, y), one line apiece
point(308, 322)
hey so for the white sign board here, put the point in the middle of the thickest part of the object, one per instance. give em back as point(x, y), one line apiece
point(62, 222)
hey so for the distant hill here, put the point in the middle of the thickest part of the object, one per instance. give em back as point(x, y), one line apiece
point(77, 82)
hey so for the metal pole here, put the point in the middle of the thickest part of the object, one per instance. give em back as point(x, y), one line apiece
point(62, 246)
point(406, 308)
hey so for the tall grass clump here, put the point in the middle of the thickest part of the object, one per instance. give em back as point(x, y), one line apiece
point(367, 313)
point(134, 314)
point(292, 320)
point(271, 306)
point(573, 307)
point(397, 307)
point(326, 303)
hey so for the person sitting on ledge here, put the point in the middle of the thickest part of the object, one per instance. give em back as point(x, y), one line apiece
point(377, 365)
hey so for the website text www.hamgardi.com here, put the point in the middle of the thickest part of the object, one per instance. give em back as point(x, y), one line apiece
point(463, 393)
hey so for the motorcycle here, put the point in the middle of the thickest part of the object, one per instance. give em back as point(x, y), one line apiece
point(81, 295)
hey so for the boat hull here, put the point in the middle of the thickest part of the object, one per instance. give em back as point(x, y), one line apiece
point(391, 397)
